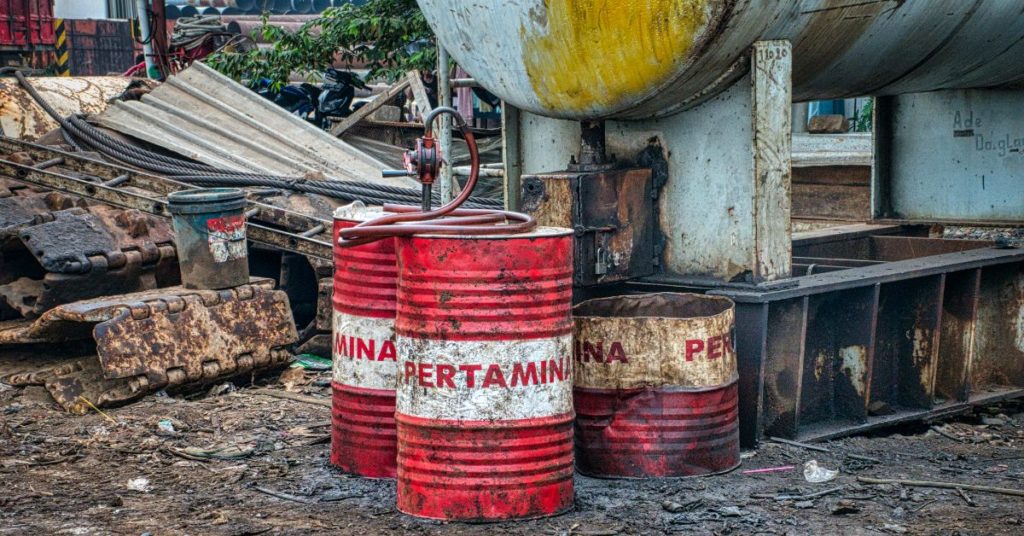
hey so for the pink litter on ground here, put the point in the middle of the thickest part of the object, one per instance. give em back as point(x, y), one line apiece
point(769, 470)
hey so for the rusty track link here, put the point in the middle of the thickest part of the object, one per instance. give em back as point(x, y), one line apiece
point(160, 339)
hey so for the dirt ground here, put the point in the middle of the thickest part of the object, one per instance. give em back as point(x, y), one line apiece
point(235, 461)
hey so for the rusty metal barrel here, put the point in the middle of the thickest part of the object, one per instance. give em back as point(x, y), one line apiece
point(655, 386)
point(363, 401)
point(484, 407)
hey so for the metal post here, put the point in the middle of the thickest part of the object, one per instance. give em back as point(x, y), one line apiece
point(444, 96)
point(142, 10)
point(60, 28)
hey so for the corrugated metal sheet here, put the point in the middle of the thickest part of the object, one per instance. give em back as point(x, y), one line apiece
point(203, 115)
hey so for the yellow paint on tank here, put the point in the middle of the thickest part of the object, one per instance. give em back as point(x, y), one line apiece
point(587, 54)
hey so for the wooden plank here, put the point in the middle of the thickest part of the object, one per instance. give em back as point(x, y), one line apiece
point(841, 203)
point(419, 92)
point(370, 107)
point(838, 175)
point(813, 150)
point(771, 75)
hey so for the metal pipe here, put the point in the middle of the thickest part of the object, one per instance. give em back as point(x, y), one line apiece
point(274, 18)
point(142, 8)
point(464, 171)
point(444, 96)
point(464, 82)
point(449, 219)
point(241, 5)
point(302, 6)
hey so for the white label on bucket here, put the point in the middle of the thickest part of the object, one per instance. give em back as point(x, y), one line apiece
point(627, 353)
point(227, 238)
point(484, 380)
point(364, 351)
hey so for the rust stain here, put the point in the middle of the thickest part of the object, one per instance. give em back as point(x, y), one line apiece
point(854, 366)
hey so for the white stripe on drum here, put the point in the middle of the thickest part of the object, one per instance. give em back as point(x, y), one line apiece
point(484, 380)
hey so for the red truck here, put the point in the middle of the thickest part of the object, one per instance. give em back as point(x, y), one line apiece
point(27, 34)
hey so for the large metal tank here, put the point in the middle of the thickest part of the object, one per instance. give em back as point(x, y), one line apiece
point(595, 58)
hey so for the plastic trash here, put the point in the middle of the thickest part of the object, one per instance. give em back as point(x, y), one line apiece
point(166, 426)
point(817, 474)
point(313, 362)
point(140, 484)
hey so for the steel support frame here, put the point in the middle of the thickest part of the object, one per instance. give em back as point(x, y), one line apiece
point(875, 344)
point(725, 211)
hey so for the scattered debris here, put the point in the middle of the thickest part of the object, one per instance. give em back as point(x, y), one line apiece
point(945, 485)
point(166, 427)
point(798, 444)
point(676, 507)
point(806, 497)
point(844, 507)
point(281, 495)
point(140, 484)
point(769, 470)
point(817, 474)
point(293, 396)
point(293, 378)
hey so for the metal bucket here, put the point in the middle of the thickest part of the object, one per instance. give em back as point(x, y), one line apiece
point(484, 407)
point(655, 386)
point(209, 231)
point(363, 403)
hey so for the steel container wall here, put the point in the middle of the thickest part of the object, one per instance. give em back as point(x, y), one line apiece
point(484, 405)
point(655, 386)
point(582, 59)
point(26, 25)
point(100, 47)
point(363, 437)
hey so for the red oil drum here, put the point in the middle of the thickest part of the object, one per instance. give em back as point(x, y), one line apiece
point(365, 358)
point(655, 386)
point(484, 407)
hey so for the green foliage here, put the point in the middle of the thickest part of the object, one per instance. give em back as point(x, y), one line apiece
point(864, 117)
point(390, 36)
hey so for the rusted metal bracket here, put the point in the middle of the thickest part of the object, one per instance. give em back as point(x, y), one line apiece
point(160, 339)
point(124, 187)
point(610, 212)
